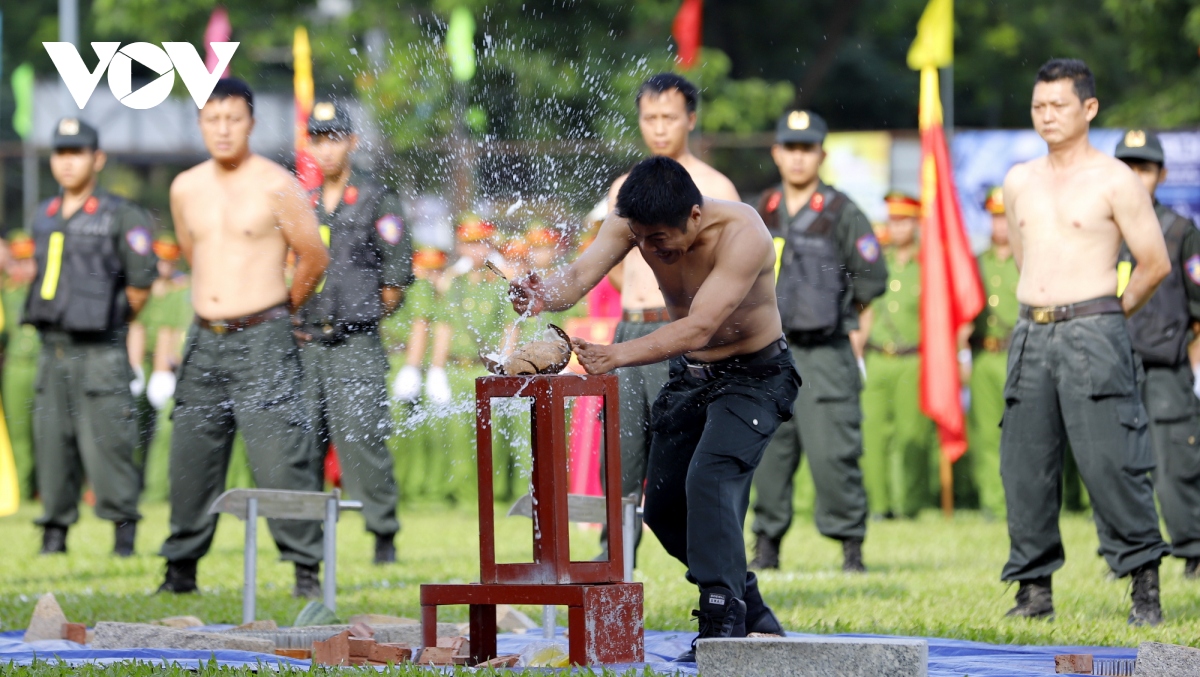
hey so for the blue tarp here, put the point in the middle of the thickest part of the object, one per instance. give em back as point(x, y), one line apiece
point(947, 657)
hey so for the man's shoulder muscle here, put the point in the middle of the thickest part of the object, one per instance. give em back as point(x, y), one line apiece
point(711, 182)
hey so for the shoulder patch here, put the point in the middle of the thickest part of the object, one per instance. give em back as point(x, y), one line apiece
point(350, 196)
point(773, 202)
point(391, 228)
point(1192, 266)
point(139, 240)
point(53, 207)
point(868, 248)
point(91, 205)
point(315, 198)
point(817, 203)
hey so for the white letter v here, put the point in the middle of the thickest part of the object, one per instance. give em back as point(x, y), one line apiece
point(80, 83)
point(199, 81)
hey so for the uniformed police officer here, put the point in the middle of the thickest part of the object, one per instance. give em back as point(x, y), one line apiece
point(829, 267)
point(897, 436)
point(21, 350)
point(989, 357)
point(94, 270)
point(345, 366)
point(1160, 332)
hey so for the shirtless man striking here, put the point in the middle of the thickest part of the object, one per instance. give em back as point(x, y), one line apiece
point(236, 216)
point(732, 379)
point(666, 114)
point(1072, 377)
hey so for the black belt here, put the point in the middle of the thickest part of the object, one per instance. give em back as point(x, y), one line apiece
point(245, 322)
point(1050, 314)
point(740, 365)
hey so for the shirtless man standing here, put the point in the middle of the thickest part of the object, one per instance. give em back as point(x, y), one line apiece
point(236, 216)
point(666, 113)
point(1072, 377)
point(732, 380)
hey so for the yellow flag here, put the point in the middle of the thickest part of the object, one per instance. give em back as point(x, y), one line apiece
point(302, 83)
point(10, 489)
point(934, 45)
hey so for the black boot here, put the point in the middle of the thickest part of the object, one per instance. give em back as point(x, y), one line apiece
point(720, 615)
point(766, 553)
point(385, 548)
point(308, 584)
point(1147, 610)
point(181, 577)
point(1035, 599)
point(852, 557)
point(126, 533)
point(1191, 568)
point(54, 540)
point(759, 617)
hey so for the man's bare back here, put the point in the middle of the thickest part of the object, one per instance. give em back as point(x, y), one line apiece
point(235, 226)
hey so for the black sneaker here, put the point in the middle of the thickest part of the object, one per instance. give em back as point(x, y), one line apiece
point(1191, 568)
point(1147, 610)
point(720, 615)
point(759, 617)
point(1035, 599)
point(308, 584)
point(385, 548)
point(54, 540)
point(181, 577)
point(852, 562)
point(126, 533)
point(766, 553)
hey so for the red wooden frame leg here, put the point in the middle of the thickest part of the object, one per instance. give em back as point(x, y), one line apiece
point(577, 642)
point(483, 632)
point(428, 625)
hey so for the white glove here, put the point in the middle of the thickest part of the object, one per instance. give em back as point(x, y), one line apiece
point(407, 386)
point(138, 385)
point(437, 386)
point(862, 368)
point(1196, 381)
point(160, 389)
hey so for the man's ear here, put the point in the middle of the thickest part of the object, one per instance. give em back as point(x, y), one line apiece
point(1162, 175)
point(99, 157)
point(692, 121)
point(694, 219)
point(1091, 107)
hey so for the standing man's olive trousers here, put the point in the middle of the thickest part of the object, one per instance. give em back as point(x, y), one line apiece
point(827, 425)
point(84, 426)
point(345, 383)
point(247, 380)
point(1175, 429)
point(1076, 381)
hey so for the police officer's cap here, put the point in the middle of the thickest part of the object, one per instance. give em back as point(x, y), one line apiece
point(329, 117)
point(1139, 144)
point(801, 126)
point(74, 133)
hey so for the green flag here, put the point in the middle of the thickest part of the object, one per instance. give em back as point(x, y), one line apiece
point(22, 87)
point(460, 44)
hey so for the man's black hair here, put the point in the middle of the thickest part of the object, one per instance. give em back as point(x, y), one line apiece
point(1074, 70)
point(665, 82)
point(228, 88)
point(658, 192)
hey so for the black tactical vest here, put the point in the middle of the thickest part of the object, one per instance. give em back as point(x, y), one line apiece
point(812, 286)
point(80, 283)
point(348, 296)
point(1159, 331)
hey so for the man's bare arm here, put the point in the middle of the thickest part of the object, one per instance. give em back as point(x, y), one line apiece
point(137, 298)
point(182, 236)
point(391, 297)
point(1133, 212)
point(565, 286)
point(1011, 182)
point(299, 225)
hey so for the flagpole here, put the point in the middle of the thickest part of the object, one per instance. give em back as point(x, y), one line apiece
point(947, 75)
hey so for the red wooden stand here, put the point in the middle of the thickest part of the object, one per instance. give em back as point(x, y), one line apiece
point(604, 613)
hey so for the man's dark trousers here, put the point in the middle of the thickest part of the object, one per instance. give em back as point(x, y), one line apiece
point(828, 425)
point(345, 383)
point(84, 426)
point(1076, 381)
point(247, 380)
point(1175, 429)
point(709, 436)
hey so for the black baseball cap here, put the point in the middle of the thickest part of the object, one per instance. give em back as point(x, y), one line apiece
point(329, 117)
point(801, 126)
point(1139, 144)
point(74, 133)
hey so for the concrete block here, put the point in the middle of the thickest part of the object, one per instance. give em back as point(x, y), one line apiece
point(1166, 660)
point(812, 657)
point(179, 622)
point(142, 636)
point(47, 620)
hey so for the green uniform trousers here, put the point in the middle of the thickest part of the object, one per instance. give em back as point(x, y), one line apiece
point(83, 424)
point(828, 425)
point(898, 439)
point(1175, 429)
point(988, 370)
point(1076, 382)
point(20, 376)
point(251, 381)
point(344, 383)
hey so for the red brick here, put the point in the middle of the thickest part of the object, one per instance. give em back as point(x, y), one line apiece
point(508, 661)
point(360, 648)
point(302, 654)
point(1073, 663)
point(390, 653)
point(76, 632)
point(333, 651)
point(437, 655)
point(455, 643)
point(362, 631)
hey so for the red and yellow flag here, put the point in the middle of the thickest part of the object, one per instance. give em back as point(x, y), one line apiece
point(951, 292)
point(307, 170)
point(688, 31)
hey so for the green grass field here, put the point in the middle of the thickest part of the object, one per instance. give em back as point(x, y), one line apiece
point(927, 577)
